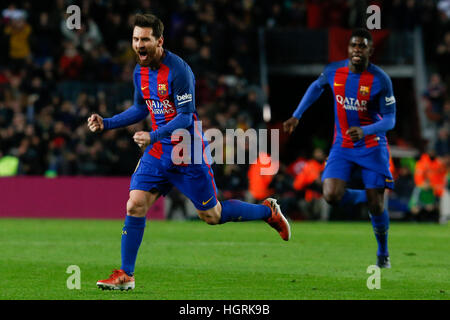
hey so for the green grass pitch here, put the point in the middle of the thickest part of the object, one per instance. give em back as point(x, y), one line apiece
point(234, 261)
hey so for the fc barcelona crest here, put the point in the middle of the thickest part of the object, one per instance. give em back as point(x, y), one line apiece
point(364, 90)
point(162, 89)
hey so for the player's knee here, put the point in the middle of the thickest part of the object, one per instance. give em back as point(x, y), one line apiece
point(136, 208)
point(333, 195)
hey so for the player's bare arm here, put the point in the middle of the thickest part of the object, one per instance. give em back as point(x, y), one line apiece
point(355, 133)
point(290, 124)
point(95, 123)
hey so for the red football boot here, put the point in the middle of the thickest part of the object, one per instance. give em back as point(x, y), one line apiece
point(277, 220)
point(118, 280)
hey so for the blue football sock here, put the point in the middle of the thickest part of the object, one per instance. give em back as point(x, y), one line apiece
point(353, 196)
point(132, 234)
point(236, 210)
point(380, 226)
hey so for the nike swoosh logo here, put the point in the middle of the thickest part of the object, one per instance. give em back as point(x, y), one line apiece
point(338, 84)
point(205, 202)
point(143, 88)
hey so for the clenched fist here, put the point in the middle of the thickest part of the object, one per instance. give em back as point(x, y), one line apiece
point(95, 123)
point(142, 138)
point(355, 133)
point(290, 125)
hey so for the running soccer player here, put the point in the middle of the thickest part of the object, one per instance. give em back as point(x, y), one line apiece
point(164, 88)
point(364, 107)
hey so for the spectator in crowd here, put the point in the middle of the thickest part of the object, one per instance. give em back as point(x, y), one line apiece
point(442, 145)
point(444, 205)
point(19, 32)
point(71, 62)
point(87, 37)
point(434, 99)
point(259, 184)
point(424, 203)
point(444, 7)
point(308, 181)
point(8, 165)
point(443, 56)
point(296, 166)
point(447, 113)
point(430, 170)
point(45, 38)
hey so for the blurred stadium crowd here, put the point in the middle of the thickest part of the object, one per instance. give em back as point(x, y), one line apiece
point(52, 79)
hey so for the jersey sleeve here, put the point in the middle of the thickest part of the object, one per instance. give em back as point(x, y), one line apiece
point(322, 81)
point(312, 94)
point(137, 112)
point(182, 120)
point(387, 109)
point(387, 99)
point(183, 88)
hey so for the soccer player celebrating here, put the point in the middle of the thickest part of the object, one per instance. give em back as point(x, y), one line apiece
point(364, 107)
point(164, 88)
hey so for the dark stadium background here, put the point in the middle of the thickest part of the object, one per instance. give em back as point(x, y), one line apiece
point(245, 55)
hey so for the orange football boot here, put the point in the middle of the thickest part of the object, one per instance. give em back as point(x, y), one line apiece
point(277, 220)
point(118, 280)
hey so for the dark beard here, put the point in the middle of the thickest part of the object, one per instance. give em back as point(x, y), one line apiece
point(152, 64)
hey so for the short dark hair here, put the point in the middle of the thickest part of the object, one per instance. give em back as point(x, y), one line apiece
point(362, 33)
point(148, 20)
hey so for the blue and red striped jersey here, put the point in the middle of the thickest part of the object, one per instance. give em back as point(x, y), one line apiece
point(360, 99)
point(166, 92)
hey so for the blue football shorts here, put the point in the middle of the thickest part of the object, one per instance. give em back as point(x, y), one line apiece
point(373, 162)
point(195, 181)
